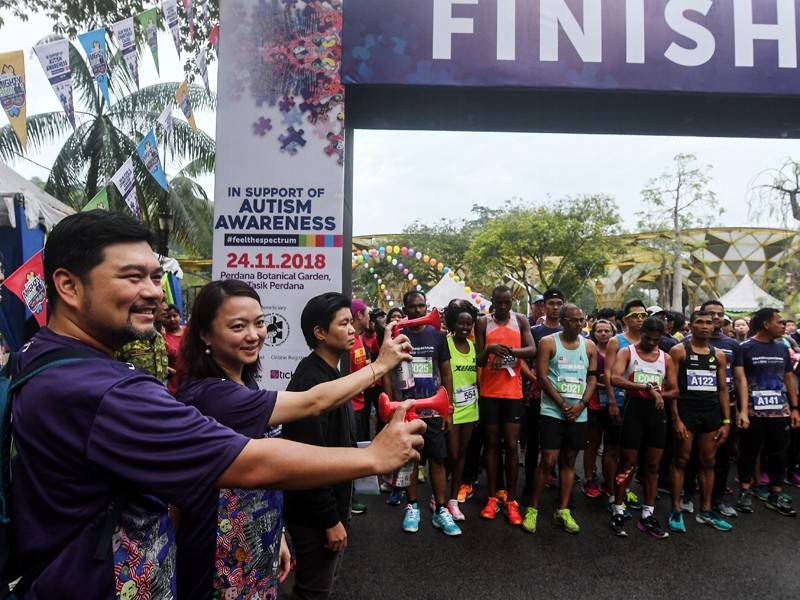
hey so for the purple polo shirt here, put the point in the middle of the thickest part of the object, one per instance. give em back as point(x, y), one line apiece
point(85, 433)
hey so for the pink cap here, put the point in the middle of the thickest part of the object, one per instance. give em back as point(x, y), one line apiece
point(357, 306)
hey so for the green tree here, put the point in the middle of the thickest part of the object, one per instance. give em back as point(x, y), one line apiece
point(677, 199)
point(107, 136)
point(776, 192)
point(560, 245)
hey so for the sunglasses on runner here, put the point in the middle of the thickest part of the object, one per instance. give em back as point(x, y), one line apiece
point(635, 315)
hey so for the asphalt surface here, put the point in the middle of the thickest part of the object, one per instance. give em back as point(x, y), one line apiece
point(759, 558)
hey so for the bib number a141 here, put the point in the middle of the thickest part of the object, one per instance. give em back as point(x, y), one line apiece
point(767, 400)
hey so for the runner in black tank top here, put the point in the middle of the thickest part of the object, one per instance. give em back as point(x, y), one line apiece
point(702, 412)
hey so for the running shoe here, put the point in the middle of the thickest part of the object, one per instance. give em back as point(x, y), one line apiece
point(464, 492)
point(442, 519)
point(357, 508)
point(632, 500)
point(491, 509)
point(726, 510)
point(385, 487)
point(652, 527)
point(563, 517)
point(687, 506)
point(761, 492)
point(745, 502)
point(764, 479)
point(531, 516)
point(793, 479)
point(512, 513)
point(591, 489)
point(675, 522)
point(786, 497)
point(411, 518)
point(502, 495)
point(625, 512)
point(714, 520)
point(778, 504)
point(618, 525)
point(421, 477)
point(395, 497)
point(452, 506)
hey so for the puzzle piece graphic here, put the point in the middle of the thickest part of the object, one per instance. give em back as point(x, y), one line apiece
point(286, 104)
point(293, 117)
point(262, 126)
point(336, 146)
point(292, 141)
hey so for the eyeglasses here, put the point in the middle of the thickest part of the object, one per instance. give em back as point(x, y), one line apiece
point(635, 315)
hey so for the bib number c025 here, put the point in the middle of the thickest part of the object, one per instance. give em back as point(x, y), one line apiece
point(422, 367)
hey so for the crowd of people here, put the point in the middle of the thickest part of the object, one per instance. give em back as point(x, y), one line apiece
point(148, 463)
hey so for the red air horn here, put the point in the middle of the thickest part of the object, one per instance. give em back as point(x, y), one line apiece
point(404, 373)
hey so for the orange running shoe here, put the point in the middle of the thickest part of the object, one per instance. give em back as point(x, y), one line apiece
point(491, 509)
point(512, 512)
point(502, 495)
point(464, 492)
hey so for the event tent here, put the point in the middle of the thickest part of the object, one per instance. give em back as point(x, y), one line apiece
point(747, 296)
point(448, 289)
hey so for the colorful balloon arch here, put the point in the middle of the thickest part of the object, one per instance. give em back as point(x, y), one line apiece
point(395, 256)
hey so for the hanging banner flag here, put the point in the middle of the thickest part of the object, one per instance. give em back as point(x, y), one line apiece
point(125, 39)
point(165, 120)
point(213, 37)
point(170, 8)
point(12, 92)
point(99, 202)
point(94, 44)
point(55, 62)
point(149, 21)
point(202, 66)
point(189, 6)
point(204, 5)
point(125, 181)
point(27, 284)
point(148, 152)
point(183, 100)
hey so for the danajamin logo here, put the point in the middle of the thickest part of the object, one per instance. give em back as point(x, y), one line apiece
point(277, 329)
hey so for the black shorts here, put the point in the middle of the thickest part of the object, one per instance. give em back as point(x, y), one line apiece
point(495, 411)
point(643, 425)
point(611, 428)
point(599, 418)
point(555, 434)
point(435, 446)
point(700, 419)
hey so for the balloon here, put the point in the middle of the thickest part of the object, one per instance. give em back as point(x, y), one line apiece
point(383, 286)
point(467, 289)
point(371, 269)
point(405, 271)
point(418, 255)
point(419, 288)
point(380, 280)
point(391, 303)
point(400, 266)
point(382, 250)
point(446, 270)
point(426, 258)
point(474, 295)
point(411, 252)
point(396, 249)
point(389, 257)
point(394, 262)
point(433, 262)
point(375, 276)
point(404, 251)
point(410, 276)
point(360, 258)
point(456, 279)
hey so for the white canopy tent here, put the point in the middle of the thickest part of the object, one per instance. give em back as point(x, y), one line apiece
point(747, 296)
point(40, 207)
point(446, 290)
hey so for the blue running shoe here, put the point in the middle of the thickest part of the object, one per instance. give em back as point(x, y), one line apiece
point(395, 497)
point(442, 519)
point(714, 520)
point(411, 518)
point(676, 522)
point(761, 492)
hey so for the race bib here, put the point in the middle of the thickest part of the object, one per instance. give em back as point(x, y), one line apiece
point(768, 400)
point(422, 367)
point(645, 377)
point(701, 381)
point(466, 396)
point(571, 387)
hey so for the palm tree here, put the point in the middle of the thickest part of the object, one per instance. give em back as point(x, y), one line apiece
point(106, 136)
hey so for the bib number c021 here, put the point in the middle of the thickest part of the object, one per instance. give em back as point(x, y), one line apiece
point(571, 387)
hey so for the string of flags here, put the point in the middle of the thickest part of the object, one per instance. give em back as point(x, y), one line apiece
point(54, 58)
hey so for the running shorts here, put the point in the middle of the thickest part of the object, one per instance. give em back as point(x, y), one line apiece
point(700, 419)
point(643, 425)
point(494, 411)
point(435, 446)
point(555, 434)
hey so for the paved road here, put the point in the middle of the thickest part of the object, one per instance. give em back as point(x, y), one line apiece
point(759, 558)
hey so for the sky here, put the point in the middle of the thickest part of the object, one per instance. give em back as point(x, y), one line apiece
point(407, 176)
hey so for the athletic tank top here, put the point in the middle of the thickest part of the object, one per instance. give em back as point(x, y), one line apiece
point(465, 383)
point(599, 399)
point(503, 382)
point(619, 393)
point(643, 371)
point(567, 373)
point(697, 378)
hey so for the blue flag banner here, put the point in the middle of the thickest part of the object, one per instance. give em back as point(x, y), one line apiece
point(148, 152)
point(94, 44)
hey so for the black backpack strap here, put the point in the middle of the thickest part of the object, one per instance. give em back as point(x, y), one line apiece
point(44, 362)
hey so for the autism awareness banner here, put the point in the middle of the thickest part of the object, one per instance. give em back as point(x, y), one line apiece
point(149, 21)
point(125, 180)
point(170, 8)
point(27, 284)
point(94, 45)
point(148, 152)
point(165, 120)
point(202, 67)
point(12, 92)
point(279, 195)
point(189, 6)
point(183, 100)
point(99, 202)
point(125, 39)
point(55, 62)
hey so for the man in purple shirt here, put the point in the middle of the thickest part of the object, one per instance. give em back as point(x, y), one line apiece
point(97, 432)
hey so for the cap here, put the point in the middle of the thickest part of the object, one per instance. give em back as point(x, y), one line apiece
point(654, 310)
point(357, 306)
point(538, 298)
point(553, 293)
point(376, 313)
point(727, 319)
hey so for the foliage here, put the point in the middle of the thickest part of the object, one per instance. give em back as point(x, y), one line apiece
point(783, 282)
point(775, 192)
point(561, 245)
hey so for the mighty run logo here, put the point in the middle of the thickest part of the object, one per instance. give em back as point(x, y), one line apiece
point(278, 374)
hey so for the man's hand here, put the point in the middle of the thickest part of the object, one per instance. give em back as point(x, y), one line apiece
point(722, 435)
point(398, 442)
point(795, 419)
point(336, 537)
point(447, 424)
point(393, 351)
point(285, 560)
point(572, 411)
point(658, 398)
point(614, 413)
point(680, 430)
point(744, 420)
point(499, 350)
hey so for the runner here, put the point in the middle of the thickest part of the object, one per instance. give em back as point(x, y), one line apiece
point(566, 365)
point(702, 411)
point(599, 421)
point(501, 340)
point(767, 391)
point(460, 317)
point(741, 329)
point(431, 364)
point(641, 370)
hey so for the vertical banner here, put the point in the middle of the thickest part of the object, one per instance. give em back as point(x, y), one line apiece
point(202, 66)
point(183, 100)
point(213, 37)
point(149, 21)
point(148, 152)
point(27, 284)
point(279, 201)
point(189, 6)
point(170, 9)
point(12, 93)
point(99, 202)
point(94, 44)
point(125, 39)
point(55, 62)
point(165, 120)
point(125, 180)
